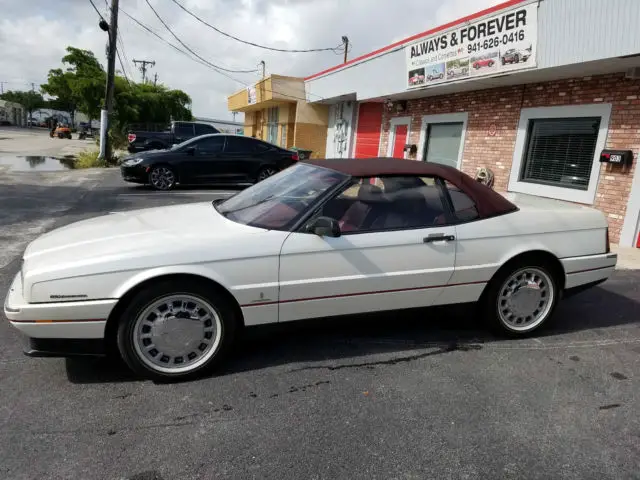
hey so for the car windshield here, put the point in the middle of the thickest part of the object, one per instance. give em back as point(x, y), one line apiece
point(279, 202)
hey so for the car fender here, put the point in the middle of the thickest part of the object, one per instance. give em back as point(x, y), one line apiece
point(193, 269)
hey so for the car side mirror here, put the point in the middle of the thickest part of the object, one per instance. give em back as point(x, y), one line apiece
point(191, 151)
point(325, 227)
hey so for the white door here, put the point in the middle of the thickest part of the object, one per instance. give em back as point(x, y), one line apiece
point(443, 143)
point(384, 260)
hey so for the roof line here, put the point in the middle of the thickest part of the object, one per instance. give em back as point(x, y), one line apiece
point(473, 16)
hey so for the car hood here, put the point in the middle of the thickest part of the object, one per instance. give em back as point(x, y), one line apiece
point(128, 236)
point(147, 154)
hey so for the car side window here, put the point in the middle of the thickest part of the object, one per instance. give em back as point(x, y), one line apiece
point(464, 208)
point(183, 129)
point(259, 147)
point(388, 203)
point(238, 145)
point(203, 129)
point(210, 145)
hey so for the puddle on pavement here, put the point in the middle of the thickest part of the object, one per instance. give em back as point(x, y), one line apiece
point(40, 163)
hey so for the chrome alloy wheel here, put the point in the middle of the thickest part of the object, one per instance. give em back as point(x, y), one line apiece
point(525, 299)
point(177, 333)
point(162, 178)
point(266, 173)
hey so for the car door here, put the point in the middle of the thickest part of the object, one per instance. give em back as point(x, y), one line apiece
point(201, 160)
point(242, 157)
point(393, 253)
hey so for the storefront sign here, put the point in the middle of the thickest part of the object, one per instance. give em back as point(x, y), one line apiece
point(501, 43)
point(251, 95)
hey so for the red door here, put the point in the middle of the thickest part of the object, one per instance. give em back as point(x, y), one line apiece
point(400, 141)
point(368, 131)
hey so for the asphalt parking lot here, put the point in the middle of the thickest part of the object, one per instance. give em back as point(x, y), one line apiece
point(428, 394)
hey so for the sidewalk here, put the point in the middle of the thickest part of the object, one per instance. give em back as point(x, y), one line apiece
point(628, 257)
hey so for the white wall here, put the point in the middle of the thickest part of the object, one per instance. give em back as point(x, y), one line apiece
point(570, 32)
point(339, 138)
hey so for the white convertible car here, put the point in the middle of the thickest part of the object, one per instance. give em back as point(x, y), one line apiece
point(168, 287)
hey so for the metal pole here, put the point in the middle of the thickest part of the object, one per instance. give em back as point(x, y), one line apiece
point(264, 66)
point(105, 147)
point(345, 41)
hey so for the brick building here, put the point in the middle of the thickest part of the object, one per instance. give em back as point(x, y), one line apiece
point(535, 93)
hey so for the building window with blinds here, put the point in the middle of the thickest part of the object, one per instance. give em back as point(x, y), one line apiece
point(272, 125)
point(559, 151)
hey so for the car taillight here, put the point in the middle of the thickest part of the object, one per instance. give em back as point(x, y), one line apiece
point(608, 245)
point(131, 137)
point(295, 157)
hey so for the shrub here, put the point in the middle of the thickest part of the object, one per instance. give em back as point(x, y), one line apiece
point(89, 159)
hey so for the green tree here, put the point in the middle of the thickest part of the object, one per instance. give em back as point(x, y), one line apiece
point(148, 103)
point(59, 87)
point(30, 100)
point(81, 85)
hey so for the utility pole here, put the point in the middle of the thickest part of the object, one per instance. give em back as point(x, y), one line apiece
point(2, 87)
point(143, 67)
point(345, 41)
point(155, 79)
point(33, 87)
point(105, 148)
point(264, 67)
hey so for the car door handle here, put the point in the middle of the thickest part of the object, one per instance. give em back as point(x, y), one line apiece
point(438, 237)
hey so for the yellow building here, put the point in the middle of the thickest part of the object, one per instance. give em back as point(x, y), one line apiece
point(275, 110)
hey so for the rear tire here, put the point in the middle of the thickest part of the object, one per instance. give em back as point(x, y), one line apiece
point(265, 172)
point(521, 297)
point(175, 330)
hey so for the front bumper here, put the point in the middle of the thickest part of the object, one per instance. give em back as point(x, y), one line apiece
point(134, 173)
point(64, 347)
point(60, 320)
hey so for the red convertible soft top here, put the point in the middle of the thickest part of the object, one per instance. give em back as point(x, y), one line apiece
point(488, 202)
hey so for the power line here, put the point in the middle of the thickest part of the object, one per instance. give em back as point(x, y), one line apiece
point(96, 9)
point(206, 64)
point(124, 54)
point(330, 49)
point(189, 49)
point(120, 41)
point(159, 37)
point(124, 72)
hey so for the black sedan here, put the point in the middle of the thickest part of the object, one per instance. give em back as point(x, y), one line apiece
point(208, 159)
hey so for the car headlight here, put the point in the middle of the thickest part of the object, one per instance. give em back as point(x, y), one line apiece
point(133, 161)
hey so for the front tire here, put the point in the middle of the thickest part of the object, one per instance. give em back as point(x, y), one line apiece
point(175, 330)
point(521, 297)
point(162, 177)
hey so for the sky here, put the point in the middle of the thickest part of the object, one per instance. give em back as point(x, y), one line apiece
point(34, 34)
